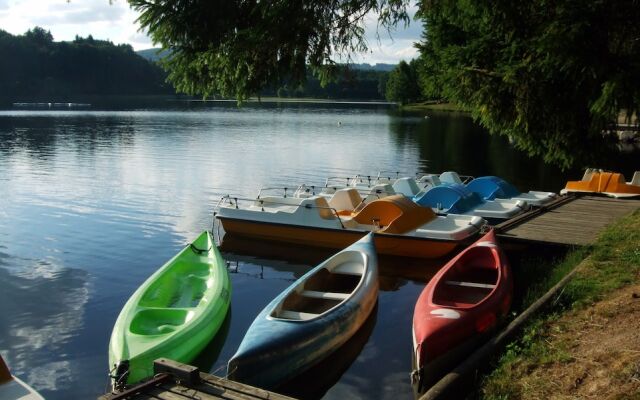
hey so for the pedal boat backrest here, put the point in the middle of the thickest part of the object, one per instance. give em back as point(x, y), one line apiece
point(428, 181)
point(450, 198)
point(493, 187)
point(406, 186)
point(636, 179)
point(345, 200)
point(450, 177)
point(394, 214)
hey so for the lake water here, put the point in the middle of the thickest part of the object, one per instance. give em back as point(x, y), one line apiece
point(93, 202)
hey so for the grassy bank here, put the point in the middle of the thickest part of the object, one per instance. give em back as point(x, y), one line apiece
point(587, 343)
point(433, 106)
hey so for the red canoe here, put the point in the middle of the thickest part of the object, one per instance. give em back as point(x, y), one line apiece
point(461, 303)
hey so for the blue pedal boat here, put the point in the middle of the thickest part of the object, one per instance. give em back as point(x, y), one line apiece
point(493, 187)
point(454, 198)
point(311, 318)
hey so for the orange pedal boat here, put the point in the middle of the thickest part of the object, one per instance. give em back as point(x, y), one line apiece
point(608, 183)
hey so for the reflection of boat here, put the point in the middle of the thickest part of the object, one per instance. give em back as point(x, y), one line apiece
point(608, 183)
point(493, 187)
point(317, 380)
point(12, 388)
point(311, 318)
point(401, 227)
point(463, 300)
point(454, 198)
point(252, 256)
point(173, 314)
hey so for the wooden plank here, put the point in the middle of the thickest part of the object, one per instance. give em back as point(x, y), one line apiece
point(211, 387)
point(575, 220)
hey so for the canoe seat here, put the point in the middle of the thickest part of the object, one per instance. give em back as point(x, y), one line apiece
point(471, 284)
point(324, 295)
point(302, 316)
point(349, 268)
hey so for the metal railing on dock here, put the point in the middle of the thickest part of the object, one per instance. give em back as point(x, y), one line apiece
point(178, 381)
point(572, 220)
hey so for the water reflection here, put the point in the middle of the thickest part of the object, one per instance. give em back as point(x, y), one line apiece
point(42, 312)
point(93, 202)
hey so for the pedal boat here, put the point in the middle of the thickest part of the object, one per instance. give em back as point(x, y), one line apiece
point(611, 184)
point(173, 314)
point(13, 388)
point(401, 227)
point(493, 187)
point(447, 198)
point(458, 307)
point(310, 319)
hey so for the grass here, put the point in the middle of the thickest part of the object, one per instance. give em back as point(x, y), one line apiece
point(613, 262)
point(433, 106)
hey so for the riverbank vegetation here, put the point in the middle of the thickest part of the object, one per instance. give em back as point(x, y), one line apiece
point(586, 344)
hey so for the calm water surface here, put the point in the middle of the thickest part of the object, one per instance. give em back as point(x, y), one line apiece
point(93, 202)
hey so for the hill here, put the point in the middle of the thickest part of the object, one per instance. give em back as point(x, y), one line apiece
point(35, 67)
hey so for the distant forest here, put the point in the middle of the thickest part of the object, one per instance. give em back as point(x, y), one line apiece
point(35, 68)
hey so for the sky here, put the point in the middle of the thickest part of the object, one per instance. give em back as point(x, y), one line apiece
point(116, 22)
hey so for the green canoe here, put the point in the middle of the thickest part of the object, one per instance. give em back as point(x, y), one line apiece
point(173, 314)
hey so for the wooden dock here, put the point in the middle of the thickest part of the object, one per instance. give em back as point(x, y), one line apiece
point(175, 381)
point(573, 220)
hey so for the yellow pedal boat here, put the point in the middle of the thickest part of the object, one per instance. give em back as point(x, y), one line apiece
point(612, 184)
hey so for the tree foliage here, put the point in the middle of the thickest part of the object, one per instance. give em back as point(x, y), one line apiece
point(550, 75)
point(402, 85)
point(236, 48)
point(33, 66)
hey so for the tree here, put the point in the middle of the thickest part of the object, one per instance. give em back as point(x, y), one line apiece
point(402, 85)
point(551, 75)
point(236, 48)
point(39, 36)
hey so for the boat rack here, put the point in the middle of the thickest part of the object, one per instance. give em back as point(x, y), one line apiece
point(176, 381)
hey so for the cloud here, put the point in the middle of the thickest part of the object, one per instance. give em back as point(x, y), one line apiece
point(390, 45)
point(102, 19)
point(80, 13)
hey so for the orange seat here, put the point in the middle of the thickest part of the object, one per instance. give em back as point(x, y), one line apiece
point(603, 182)
point(394, 214)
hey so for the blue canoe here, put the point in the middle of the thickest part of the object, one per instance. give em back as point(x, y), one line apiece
point(311, 318)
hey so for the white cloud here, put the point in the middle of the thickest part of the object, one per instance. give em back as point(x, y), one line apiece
point(65, 20)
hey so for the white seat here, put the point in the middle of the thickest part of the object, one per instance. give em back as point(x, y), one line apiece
point(470, 284)
point(450, 177)
point(349, 268)
point(345, 199)
point(406, 186)
point(324, 295)
point(302, 316)
point(636, 179)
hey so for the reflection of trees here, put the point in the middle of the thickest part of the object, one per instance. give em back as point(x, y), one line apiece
point(454, 142)
point(41, 313)
point(40, 135)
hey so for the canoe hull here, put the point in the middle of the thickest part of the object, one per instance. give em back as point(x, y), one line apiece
point(441, 325)
point(274, 350)
point(173, 314)
point(399, 245)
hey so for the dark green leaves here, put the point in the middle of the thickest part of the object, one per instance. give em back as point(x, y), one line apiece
point(236, 48)
point(552, 76)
